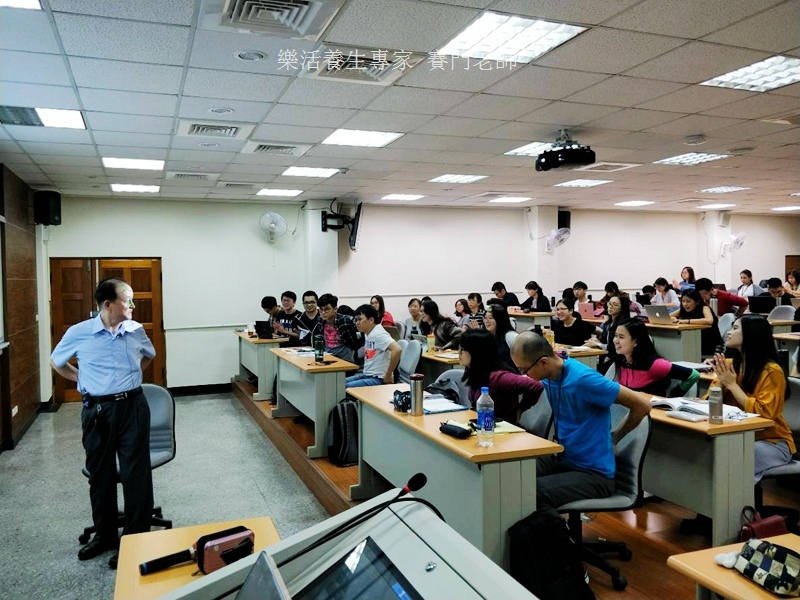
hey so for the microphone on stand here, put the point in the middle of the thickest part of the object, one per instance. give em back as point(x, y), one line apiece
point(417, 482)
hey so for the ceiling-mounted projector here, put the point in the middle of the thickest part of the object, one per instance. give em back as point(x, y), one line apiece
point(566, 152)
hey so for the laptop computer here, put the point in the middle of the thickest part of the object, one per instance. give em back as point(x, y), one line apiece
point(658, 315)
point(721, 286)
point(762, 304)
point(586, 310)
point(264, 330)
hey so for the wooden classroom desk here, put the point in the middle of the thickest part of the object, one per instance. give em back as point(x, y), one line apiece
point(531, 318)
point(311, 389)
point(705, 468)
point(431, 364)
point(590, 357)
point(782, 325)
point(137, 548)
point(729, 583)
point(480, 491)
point(790, 342)
point(255, 358)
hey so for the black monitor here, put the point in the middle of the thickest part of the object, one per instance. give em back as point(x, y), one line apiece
point(354, 228)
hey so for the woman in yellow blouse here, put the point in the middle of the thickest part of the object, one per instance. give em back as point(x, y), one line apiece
point(757, 384)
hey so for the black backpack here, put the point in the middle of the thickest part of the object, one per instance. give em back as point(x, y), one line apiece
point(343, 433)
point(545, 560)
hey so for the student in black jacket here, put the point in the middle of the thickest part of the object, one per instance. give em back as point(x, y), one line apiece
point(509, 298)
point(537, 301)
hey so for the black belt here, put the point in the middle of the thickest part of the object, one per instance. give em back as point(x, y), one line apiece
point(89, 400)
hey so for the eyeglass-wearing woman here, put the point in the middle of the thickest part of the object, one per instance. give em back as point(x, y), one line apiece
point(482, 367)
point(619, 310)
point(569, 328)
point(384, 316)
point(462, 313)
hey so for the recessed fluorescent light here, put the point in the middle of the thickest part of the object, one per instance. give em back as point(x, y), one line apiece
point(715, 206)
point(723, 189)
point(309, 172)
point(66, 119)
point(786, 208)
point(765, 75)
point(506, 37)
point(133, 163)
point(632, 203)
point(691, 158)
point(402, 197)
point(29, 4)
point(510, 200)
point(583, 183)
point(454, 178)
point(532, 149)
point(277, 192)
point(127, 187)
point(358, 137)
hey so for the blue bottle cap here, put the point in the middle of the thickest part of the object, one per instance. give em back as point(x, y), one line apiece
point(484, 390)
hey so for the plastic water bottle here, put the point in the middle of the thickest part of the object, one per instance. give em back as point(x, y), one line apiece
point(715, 405)
point(485, 409)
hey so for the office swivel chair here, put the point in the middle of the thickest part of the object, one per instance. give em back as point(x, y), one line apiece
point(408, 361)
point(455, 376)
point(725, 323)
point(162, 447)
point(784, 312)
point(630, 453)
point(538, 419)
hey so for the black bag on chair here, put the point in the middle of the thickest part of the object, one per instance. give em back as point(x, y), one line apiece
point(343, 433)
point(545, 560)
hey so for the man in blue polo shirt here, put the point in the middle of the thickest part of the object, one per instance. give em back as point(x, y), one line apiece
point(581, 399)
point(112, 351)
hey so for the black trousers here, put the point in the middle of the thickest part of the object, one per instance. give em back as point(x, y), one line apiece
point(558, 483)
point(119, 429)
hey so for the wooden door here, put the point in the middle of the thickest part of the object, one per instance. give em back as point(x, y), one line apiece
point(144, 276)
point(792, 262)
point(71, 301)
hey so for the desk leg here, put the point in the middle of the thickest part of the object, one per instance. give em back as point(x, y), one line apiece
point(266, 372)
point(701, 593)
point(733, 484)
point(329, 389)
point(283, 408)
point(370, 483)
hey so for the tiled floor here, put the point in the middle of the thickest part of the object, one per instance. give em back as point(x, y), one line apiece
point(225, 468)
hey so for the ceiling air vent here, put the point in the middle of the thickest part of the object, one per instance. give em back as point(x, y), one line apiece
point(184, 176)
point(277, 18)
point(19, 115)
point(279, 148)
point(360, 65)
point(607, 167)
point(232, 131)
point(236, 186)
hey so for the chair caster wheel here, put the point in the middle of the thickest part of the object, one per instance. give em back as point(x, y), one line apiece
point(625, 554)
point(83, 538)
point(619, 583)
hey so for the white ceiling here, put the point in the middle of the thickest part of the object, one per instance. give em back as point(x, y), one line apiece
point(627, 86)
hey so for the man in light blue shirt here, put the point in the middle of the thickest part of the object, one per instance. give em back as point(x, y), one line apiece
point(112, 352)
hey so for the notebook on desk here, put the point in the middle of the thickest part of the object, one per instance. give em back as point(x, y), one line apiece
point(658, 315)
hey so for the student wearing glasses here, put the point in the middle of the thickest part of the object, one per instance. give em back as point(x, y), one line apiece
point(569, 328)
point(665, 295)
point(619, 310)
point(512, 393)
point(309, 322)
point(384, 316)
point(285, 321)
point(509, 298)
point(581, 399)
point(687, 280)
point(381, 352)
point(462, 313)
point(338, 330)
point(414, 322)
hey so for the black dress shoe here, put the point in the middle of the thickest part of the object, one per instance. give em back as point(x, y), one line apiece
point(95, 548)
point(112, 562)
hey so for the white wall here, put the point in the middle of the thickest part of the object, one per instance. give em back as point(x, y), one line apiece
point(769, 240)
point(216, 266)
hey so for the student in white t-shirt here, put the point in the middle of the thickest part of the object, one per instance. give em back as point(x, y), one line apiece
point(381, 352)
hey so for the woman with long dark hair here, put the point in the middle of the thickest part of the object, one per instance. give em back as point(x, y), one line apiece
point(756, 383)
point(483, 368)
point(619, 310)
point(687, 280)
point(462, 313)
point(611, 289)
point(444, 330)
point(640, 368)
point(536, 301)
point(665, 295)
point(498, 323)
point(695, 311)
point(477, 311)
point(384, 316)
point(792, 284)
point(748, 287)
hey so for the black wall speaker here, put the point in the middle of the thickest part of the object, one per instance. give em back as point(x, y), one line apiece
point(564, 219)
point(46, 207)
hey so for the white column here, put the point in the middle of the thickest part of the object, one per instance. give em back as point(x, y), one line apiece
point(541, 266)
point(713, 247)
point(322, 250)
point(43, 310)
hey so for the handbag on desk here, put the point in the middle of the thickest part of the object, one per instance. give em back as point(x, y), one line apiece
point(753, 526)
point(773, 567)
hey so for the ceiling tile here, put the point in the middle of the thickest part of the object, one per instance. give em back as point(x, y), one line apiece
point(235, 86)
point(10, 147)
point(55, 170)
point(542, 82)
point(117, 138)
point(693, 124)
point(749, 130)
point(757, 107)
point(30, 67)
point(38, 96)
point(134, 103)
point(425, 142)
point(489, 106)
point(200, 108)
point(401, 154)
point(49, 134)
point(335, 94)
point(696, 62)
point(371, 120)
point(695, 98)
point(291, 133)
point(98, 37)
point(624, 91)
point(515, 130)
point(28, 30)
point(788, 90)
point(603, 50)
point(77, 161)
point(311, 116)
point(201, 156)
point(633, 119)
point(128, 76)
point(790, 136)
point(132, 123)
point(417, 100)
point(218, 49)
point(765, 31)
point(176, 12)
point(459, 74)
point(458, 126)
point(589, 12)
point(687, 18)
point(149, 153)
point(568, 113)
point(488, 145)
point(398, 24)
point(197, 166)
point(50, 148)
